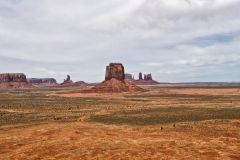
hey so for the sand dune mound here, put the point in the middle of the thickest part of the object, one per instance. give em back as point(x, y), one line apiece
point(114, 86)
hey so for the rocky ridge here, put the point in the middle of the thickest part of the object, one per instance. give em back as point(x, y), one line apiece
point(13, 81)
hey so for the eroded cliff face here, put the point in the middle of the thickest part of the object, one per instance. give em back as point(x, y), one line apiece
point(42, 81)
point(115, 70)
point(13, 81)
point(12, 77)
point(145, 79)
point(129, 76)
point(114, 81)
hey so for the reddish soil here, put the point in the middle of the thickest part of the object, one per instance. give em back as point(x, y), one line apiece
point(80, 140)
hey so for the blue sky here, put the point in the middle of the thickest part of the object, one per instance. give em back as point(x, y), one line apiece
point(176, 41)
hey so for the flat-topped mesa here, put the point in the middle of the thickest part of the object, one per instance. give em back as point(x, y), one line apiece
point(41, 80)
point(115, 70)
point(13, 81)
point(13, 77)
point(129, 76)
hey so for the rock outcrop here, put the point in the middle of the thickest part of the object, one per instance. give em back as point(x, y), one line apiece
point(13, 80)
point(129, 76)
point(146, 80)
point(115, 81)
point(81, 83)
point(67, 81)
point(13, 77)
point(140, 77)
point(115, 70)
point(148, 77)
point(42, 81)
point(114, 86)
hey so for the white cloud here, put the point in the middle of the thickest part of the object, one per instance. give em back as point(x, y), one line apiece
point(158, 36)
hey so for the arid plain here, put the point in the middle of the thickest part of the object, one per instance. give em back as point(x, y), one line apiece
point(161, 123)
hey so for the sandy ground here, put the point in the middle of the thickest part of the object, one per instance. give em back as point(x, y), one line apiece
point(80, 140)
point(206, 91)
point(203, 140)
point(187, 91)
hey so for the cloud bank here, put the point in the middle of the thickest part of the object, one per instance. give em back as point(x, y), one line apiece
point(177, 40)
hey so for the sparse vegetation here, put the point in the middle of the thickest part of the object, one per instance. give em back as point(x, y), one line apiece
point(34, 106)
point(167, 123)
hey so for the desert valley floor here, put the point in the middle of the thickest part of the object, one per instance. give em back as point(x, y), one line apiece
point(162, 123)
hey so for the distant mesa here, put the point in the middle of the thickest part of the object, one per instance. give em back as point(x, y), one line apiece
point(145, 79)
point(148, 77)
point(81, 83)
point(68, 80)
point(13, 77)
point(129, 76)
point(69, 83)
point(115, 81)
point(41, 82)
point(13, 81)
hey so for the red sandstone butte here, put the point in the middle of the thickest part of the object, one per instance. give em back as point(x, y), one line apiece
point(114, 81)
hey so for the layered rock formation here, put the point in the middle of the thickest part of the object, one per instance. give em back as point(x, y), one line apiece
point(114, 81)
point(42, 81)
point(129, 76)
point(146, 80)
point(13, 77)
point(115, 70)
point(148, 77)
point(13, 80)
point(81, 83)
point(114, 86)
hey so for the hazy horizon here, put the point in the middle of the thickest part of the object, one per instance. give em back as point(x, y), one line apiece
point(176, 41)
